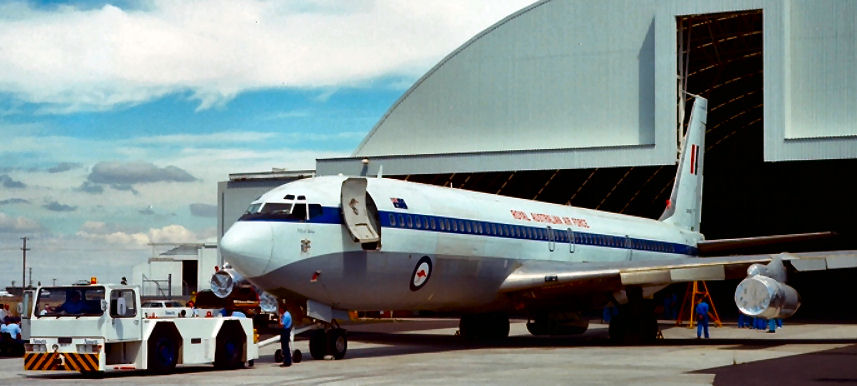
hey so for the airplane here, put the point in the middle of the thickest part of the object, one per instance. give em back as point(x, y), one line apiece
point(333, 243)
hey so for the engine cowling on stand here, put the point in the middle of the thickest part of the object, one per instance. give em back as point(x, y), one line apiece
point(763, 293)
point(224, 281)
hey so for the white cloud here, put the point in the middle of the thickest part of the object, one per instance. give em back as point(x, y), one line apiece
point(71, 59)
point(9, 224)
point(101, 232)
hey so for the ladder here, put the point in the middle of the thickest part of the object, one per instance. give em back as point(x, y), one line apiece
point(696, 290)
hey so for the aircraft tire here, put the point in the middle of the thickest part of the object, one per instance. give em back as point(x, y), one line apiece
point(484, 326)
point(297, 356)
point(337, 343)
point(633, 329)
point(617, 329)
point(318, 344)
point(278, 356)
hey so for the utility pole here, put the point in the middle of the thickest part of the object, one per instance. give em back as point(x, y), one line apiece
point(24, 268)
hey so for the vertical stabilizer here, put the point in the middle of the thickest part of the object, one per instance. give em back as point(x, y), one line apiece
point(684, 208)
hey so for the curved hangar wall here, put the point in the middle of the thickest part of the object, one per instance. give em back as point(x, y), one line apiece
point(569, 84)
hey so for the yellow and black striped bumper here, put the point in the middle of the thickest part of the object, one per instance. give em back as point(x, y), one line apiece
point(60, 361)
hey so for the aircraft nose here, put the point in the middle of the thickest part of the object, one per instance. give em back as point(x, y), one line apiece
point(247, 246)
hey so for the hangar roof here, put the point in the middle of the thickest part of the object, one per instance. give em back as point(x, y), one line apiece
point(575, 84)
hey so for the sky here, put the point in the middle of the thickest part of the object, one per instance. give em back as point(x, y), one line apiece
point(118, 118)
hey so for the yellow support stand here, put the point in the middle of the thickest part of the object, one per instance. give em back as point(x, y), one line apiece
point(693, 289)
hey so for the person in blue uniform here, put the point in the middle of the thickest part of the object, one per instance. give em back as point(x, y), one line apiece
point(73, 304)
point(702, 318)
point(285, 336)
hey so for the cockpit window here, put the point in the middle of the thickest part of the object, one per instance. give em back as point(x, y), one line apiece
point(253, 208)
point(315, 210)
point(299, 210)
point(274, 207)
point(289, 197)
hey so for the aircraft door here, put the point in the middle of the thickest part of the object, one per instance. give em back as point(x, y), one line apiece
point(629, 245)
point(359, 213)
point(570, 240)
point(551, 239)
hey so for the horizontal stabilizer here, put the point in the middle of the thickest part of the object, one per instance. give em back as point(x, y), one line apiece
point(727, 246)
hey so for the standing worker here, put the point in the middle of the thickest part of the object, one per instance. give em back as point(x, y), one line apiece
point(702, 317)
point(285, 336)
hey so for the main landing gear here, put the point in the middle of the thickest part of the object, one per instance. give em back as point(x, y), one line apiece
point(331, 341)
point(636, 322)
point(484, 326)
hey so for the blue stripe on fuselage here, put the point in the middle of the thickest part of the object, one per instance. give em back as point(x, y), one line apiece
point(441, 224)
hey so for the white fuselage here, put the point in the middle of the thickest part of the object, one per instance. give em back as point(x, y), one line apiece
point(472, 241)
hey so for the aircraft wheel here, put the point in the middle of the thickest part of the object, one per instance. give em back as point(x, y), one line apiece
point(278, 356)
point(337, 343)
point(297, 356)
point(318, 344)
point(484, 326)
point(499, 326)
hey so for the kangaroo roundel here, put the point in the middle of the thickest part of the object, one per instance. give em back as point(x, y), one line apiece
point(421, 274)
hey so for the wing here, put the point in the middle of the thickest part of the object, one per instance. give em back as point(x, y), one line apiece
point(546, 280)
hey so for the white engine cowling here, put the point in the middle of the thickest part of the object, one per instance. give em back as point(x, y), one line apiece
point(762, 296)
point(223, 281)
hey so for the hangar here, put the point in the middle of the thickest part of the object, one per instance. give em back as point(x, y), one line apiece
point(582, 103)
point(579, 102)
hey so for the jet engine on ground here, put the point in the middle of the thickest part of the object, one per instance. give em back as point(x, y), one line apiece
point(763, 293)
point(223, 281)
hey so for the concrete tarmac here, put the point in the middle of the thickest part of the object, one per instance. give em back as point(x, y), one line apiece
point(428, 352)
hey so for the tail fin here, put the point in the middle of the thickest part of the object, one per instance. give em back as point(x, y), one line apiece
point(684, 209)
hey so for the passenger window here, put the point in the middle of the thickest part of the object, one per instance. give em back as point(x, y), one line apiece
point(433, 226)
point(446, 222)
point(418, 222)
point(425, 223)
point(454, 226)
point(392, 220)
point(469, 227)
point(410, 221)
point(401, 221)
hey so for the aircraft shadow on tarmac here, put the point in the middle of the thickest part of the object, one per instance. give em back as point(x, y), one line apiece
point(393, 341)
point(835, 366)
point(397, 343)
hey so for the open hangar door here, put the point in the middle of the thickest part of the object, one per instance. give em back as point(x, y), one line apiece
point(721, 58)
